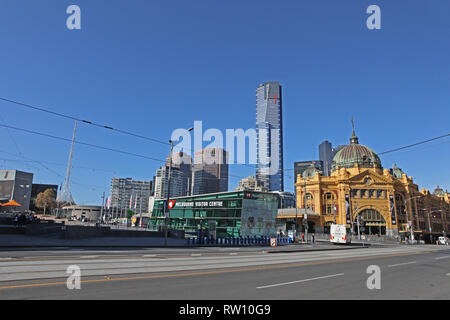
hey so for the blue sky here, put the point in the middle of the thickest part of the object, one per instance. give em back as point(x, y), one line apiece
point(151, 67)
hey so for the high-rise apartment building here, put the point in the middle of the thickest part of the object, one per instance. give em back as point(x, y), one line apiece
point(161, 182)
point(269, 134)
point(127, 193)
point(210, 171)
point(183, 162)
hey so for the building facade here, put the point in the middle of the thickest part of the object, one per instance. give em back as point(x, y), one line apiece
point(252, 184)
point(226, 214)
point(176, 182)
point(183, 162)
point(363, 195)
point(127, 193)
point(269, 135)
point(16, 185)
point(210, 171)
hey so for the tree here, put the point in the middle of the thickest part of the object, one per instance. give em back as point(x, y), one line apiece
point(46, 200)
point(129, 214)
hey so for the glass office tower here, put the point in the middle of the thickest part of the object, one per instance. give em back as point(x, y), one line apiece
point(269, 134)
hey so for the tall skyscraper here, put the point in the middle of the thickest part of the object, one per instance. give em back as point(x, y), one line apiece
point(210, 171)
point(326, 156)
point(269, 134)
point(183, 162)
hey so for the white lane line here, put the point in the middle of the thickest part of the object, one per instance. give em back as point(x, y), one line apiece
point(298, 281)
point(401, 264)
point(448, 274)
point(196, 255)
point(444, 257)
point(233, 253)
point(89, 257)
point(149, 255)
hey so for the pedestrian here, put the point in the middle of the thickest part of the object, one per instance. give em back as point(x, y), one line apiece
point(303, 237)
point(16, 220)
point(312, 238)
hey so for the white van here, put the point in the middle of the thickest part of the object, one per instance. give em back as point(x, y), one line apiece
point(443, 240)
point(339, 233)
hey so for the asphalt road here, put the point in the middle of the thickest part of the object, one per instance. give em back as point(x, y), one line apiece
point(418, 272)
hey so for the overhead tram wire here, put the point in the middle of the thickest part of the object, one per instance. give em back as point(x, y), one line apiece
point(81, 143)
point(152, 139)
point(380, 153)
point(82, 120)
point(415, 144)
point(91, 145)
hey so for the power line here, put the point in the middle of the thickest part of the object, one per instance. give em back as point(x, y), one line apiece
point(82, 120)
point(90, 145)
point(82, 143)
point(415, 144)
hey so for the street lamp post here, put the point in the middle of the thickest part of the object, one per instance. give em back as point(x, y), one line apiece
point(166, 207)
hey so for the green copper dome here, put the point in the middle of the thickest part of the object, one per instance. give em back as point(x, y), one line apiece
point(356, 153)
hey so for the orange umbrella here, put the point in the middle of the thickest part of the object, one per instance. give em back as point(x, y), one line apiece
point(11, 203)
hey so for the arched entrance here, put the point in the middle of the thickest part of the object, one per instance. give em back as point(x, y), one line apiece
point(371, 222)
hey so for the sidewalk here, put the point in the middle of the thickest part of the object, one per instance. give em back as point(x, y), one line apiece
point(24, 241)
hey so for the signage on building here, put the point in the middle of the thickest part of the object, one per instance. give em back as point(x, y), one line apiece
point(196, 204)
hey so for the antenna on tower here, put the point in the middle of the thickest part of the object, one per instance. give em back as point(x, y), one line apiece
point(65, 197)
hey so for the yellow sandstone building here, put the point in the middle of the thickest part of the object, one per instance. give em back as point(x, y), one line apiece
point(359, 192)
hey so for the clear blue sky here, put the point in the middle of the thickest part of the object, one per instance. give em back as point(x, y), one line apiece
point(153, 66)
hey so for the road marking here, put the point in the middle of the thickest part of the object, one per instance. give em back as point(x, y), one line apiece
point(271, 267)
point(448, 274)
point(299, 281)
point(233, 253)
point(149, 255)
point(444, 257)
point(90, 257)
point(401, 264)
point(196, 255)
point(5, 259)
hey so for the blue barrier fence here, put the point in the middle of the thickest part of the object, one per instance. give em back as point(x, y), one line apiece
point(232, 241)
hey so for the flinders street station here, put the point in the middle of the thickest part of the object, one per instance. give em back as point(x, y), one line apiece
point(362, 194)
